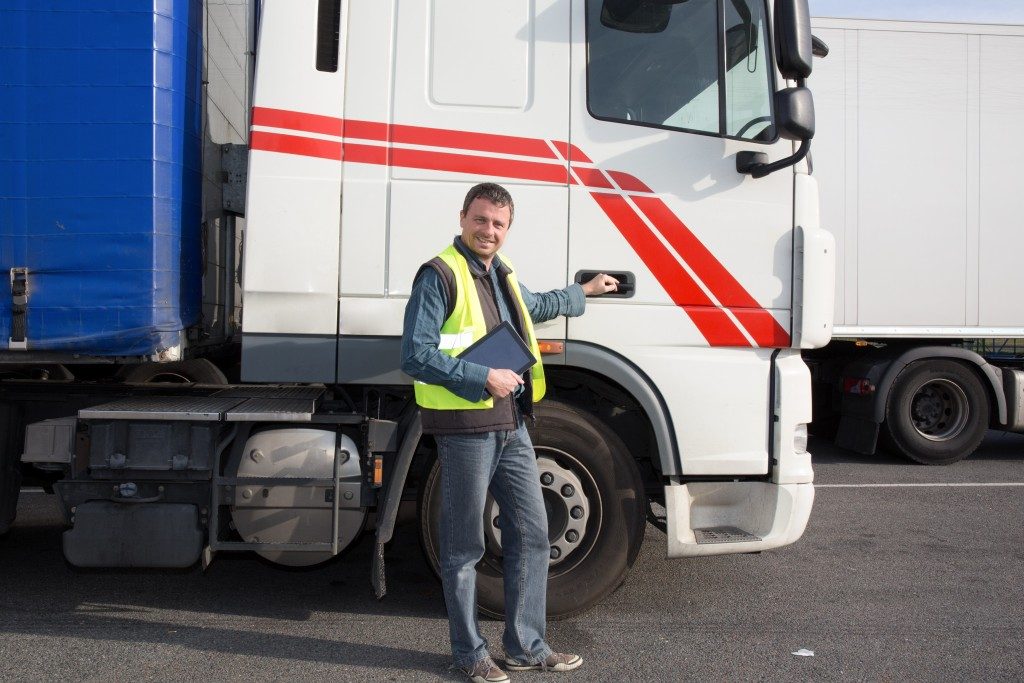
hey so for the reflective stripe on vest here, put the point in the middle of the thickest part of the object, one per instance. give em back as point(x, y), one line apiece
point(464, 326)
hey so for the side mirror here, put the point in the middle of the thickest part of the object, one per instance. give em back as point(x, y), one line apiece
point(793, 46)
point(794, 115)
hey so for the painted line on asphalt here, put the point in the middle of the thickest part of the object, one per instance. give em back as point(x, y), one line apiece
point(32, 489)
point(926, 485)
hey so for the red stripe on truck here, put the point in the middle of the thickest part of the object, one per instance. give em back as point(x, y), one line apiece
point(294, 144)
point(729, 292)
point(474, 165)
point(713, 323)
point(295, 120)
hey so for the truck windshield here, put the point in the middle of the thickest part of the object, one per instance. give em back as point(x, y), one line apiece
point(685, 70)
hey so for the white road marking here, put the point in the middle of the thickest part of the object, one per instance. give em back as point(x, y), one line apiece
point(32, 489)
point(926, 485)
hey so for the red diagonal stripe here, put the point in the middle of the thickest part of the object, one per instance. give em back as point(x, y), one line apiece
point(592, 177)
point(293, 144)
point(629, 183)
point(712, 322)
point(571, 152)
point(729, 292)
point(762, 326)
point(296, 120)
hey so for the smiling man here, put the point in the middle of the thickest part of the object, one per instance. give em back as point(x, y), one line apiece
point(476, 415)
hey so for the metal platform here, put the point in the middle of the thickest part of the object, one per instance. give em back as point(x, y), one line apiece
point(723, 534)
point(195, 408)
point(272, 410)
point(232, 404)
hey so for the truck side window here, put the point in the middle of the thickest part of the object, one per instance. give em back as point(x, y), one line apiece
point(748, 84)
point(664, 65)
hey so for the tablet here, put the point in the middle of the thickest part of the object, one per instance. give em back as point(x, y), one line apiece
point(501, 348)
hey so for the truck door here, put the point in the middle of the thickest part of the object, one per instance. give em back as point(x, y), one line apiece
point(479, 87)
point(664, 96)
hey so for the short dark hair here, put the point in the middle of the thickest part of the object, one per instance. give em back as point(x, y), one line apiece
point(492, 192)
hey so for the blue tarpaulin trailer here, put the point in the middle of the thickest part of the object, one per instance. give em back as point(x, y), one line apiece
point(100, 180)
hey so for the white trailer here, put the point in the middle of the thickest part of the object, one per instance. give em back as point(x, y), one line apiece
point(917, 160)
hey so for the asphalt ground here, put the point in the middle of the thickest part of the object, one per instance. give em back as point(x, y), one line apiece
point(905, 572)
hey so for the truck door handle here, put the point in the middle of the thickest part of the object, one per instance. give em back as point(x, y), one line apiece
point(627, 281)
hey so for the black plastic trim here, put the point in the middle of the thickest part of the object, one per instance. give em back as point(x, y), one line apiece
point(328, 35)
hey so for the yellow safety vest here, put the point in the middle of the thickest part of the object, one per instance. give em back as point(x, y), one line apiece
point(466, 325)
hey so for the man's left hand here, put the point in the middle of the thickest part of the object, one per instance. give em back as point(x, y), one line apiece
point(600, 284)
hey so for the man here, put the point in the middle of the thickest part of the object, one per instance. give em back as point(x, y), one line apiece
point(476, 415)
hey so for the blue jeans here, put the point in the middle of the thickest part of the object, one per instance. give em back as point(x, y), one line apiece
point(505, 464)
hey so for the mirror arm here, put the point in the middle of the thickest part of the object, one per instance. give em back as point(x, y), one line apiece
point(756, 170)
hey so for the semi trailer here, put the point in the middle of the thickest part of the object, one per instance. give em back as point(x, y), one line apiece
point(202, 336)
point(916, 160)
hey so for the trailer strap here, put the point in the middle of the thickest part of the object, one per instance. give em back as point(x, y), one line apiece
point(19, 308)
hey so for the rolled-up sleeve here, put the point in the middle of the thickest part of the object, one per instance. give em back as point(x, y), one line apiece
point(421, 335)
point(544, 306)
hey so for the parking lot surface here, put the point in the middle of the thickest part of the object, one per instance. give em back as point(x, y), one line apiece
point(905, 572)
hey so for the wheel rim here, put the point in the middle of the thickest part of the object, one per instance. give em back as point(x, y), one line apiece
point(573, 505)
point(940, 410)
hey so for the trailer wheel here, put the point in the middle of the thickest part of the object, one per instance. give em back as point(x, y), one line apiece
point(937, 412)
point(198, 370)
point(595, 502)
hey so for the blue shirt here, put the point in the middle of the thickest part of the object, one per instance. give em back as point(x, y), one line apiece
point(426, 312)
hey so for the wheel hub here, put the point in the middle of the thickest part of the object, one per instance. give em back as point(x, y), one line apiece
point(568, 508)
point(940, 410)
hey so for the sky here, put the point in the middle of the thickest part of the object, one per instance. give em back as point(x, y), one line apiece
point(968, 11)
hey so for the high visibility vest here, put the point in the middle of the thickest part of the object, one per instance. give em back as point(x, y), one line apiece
point(466, 325)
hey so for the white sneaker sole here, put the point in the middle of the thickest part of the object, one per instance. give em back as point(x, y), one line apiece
point(566, 666)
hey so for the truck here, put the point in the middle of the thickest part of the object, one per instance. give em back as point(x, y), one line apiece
point(202, 336)
point(915, 165)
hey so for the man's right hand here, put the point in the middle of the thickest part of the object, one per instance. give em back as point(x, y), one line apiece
point(501, 383)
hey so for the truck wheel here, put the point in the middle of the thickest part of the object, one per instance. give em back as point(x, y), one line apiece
point(198, 370)
point(595, 502)
point(937, 412)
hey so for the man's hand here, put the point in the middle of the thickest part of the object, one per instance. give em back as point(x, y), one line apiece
point(501, 383)
point(600, 284)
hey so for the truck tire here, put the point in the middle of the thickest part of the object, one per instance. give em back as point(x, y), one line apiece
point(198, 370)
point(937, 412)
point(596, 549)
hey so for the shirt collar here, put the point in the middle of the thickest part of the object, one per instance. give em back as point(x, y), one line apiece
point(475, 265)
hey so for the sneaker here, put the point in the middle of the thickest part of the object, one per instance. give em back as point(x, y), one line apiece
point(484, 671)
point(556, 661)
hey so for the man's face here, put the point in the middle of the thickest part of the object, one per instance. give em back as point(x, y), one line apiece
point(484, 226)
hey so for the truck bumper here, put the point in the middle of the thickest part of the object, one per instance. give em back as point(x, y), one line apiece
point(719, 518)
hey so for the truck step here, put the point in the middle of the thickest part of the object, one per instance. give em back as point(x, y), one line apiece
point(723, 534)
